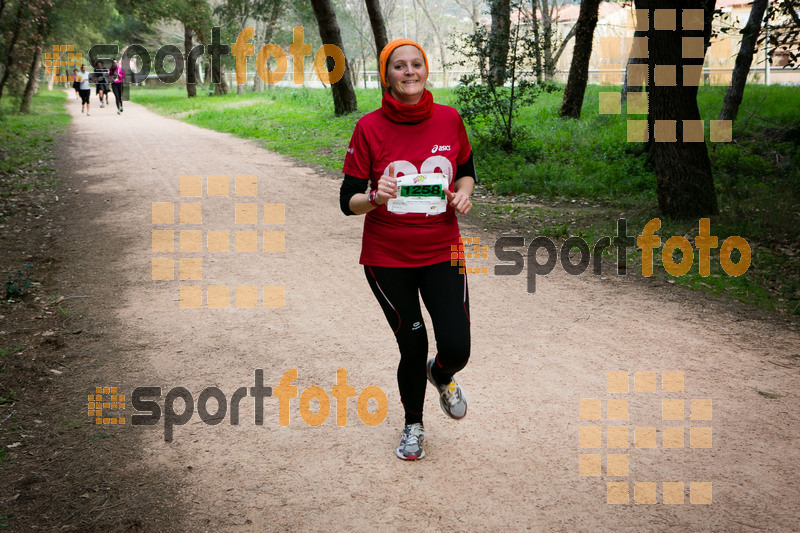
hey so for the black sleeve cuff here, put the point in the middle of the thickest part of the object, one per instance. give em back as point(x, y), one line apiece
point(350, 187)
point(467, 169)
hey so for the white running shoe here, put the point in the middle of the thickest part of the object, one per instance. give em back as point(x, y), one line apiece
point(87, 113)
point(451, 397)
point(410, 448)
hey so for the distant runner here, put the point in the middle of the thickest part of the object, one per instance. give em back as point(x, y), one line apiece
point(75, 83)
point(85, 88)
point(102, 83)
point(117, 75)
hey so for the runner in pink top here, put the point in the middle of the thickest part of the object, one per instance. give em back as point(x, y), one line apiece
point(117, 75)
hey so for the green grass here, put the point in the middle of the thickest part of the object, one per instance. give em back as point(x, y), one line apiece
point(26, 142)
point(583, 174)
point(587, 158)
point(295, 122)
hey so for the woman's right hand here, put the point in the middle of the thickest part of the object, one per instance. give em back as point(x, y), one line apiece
point(387, 187)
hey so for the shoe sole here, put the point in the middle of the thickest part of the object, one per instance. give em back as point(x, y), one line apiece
point(410, 457)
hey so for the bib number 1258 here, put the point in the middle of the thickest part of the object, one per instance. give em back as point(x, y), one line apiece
point(422, 190)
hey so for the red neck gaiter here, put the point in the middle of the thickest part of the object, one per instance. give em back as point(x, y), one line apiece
point(397, 111)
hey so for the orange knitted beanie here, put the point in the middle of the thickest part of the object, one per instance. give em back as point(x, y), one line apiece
point(387, 51)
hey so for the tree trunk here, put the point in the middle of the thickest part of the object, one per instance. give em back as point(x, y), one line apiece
point(269, 30)
point(222, 86)
point(473, 9)
point(437, 38)
point(344, 96)
point(364, 70)
point(378, 27)
point(498, 39)
point(579, 69)
point(354, 72)
point(191, 79)
point(258, 83)
point(9, 63)
point(733, 97)
point(216, 68)
point(547, 26)
point(563, 45)
point(685, 185)
point(537, 51)
point(30, 87)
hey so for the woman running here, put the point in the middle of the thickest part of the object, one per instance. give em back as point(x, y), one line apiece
point(102, 83)
point(117, 75)
point(85, 88)
point(75, 83)
point(407, 239)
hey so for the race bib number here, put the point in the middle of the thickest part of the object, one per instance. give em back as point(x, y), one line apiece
point(420, 193)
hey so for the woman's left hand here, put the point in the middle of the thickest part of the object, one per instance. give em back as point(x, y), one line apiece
point(459, 201)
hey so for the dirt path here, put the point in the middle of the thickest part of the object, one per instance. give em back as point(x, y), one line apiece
point(512, 464)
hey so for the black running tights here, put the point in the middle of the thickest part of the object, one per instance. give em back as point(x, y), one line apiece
point(444, 293)
point(117, 89)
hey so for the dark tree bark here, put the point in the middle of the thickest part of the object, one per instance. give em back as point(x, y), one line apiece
point(9, 59)
point(222, 86)
point(685, 185)
point(733, 97)
point(378, 26)
point(499, 36)
point(30, 87)
point(191, 80)
point(579, 68)
point(217, 69)
point(344, 96)
point(42, 30)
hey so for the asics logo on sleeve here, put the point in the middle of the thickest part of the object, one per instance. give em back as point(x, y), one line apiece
point(440, 148)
